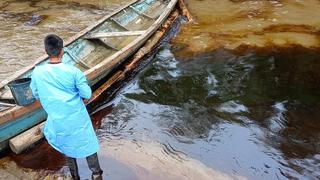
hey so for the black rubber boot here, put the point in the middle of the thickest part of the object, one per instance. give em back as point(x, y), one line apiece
point(73, 167)
point(94, 166)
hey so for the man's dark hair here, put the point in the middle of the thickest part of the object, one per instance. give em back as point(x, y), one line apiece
point(53, 45)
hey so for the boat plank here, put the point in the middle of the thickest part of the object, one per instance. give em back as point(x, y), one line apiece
point(7, 104)
point(114, 34)
point(18, 111)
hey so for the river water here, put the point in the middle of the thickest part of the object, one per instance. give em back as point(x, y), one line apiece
point(234, 95)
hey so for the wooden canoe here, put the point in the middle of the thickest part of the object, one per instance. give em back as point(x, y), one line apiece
point(96, 50)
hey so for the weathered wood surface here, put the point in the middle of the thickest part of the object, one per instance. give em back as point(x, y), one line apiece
point(18, 111)
point(26, 139)
point(7, 104)
point(114, 34)
point(21, 142)
point(185, 10)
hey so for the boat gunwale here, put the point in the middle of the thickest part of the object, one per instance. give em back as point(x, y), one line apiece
point(18, 111)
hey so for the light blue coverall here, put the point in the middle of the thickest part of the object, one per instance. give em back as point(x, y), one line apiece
point(60, 89)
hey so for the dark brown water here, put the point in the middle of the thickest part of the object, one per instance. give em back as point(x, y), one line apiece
point(253, 114)
point(205, 111)
point(233, 23)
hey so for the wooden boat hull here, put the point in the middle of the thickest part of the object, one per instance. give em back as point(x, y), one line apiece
point(26, 121)
point(19, 119)
point(19, 125)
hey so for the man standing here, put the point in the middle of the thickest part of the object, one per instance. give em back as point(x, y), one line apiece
point(61, 89)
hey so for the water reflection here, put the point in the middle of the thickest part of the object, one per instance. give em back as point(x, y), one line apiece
point(264, 103)
point(233, 23)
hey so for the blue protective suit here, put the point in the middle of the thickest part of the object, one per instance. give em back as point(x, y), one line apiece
point(60, 89)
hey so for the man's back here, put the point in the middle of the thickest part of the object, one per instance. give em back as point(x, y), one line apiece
point(60, 89)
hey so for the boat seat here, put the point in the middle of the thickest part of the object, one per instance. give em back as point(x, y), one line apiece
point(114, 34)
point(106, 37)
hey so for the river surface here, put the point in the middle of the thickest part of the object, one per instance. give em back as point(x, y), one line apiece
point(234, 95)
